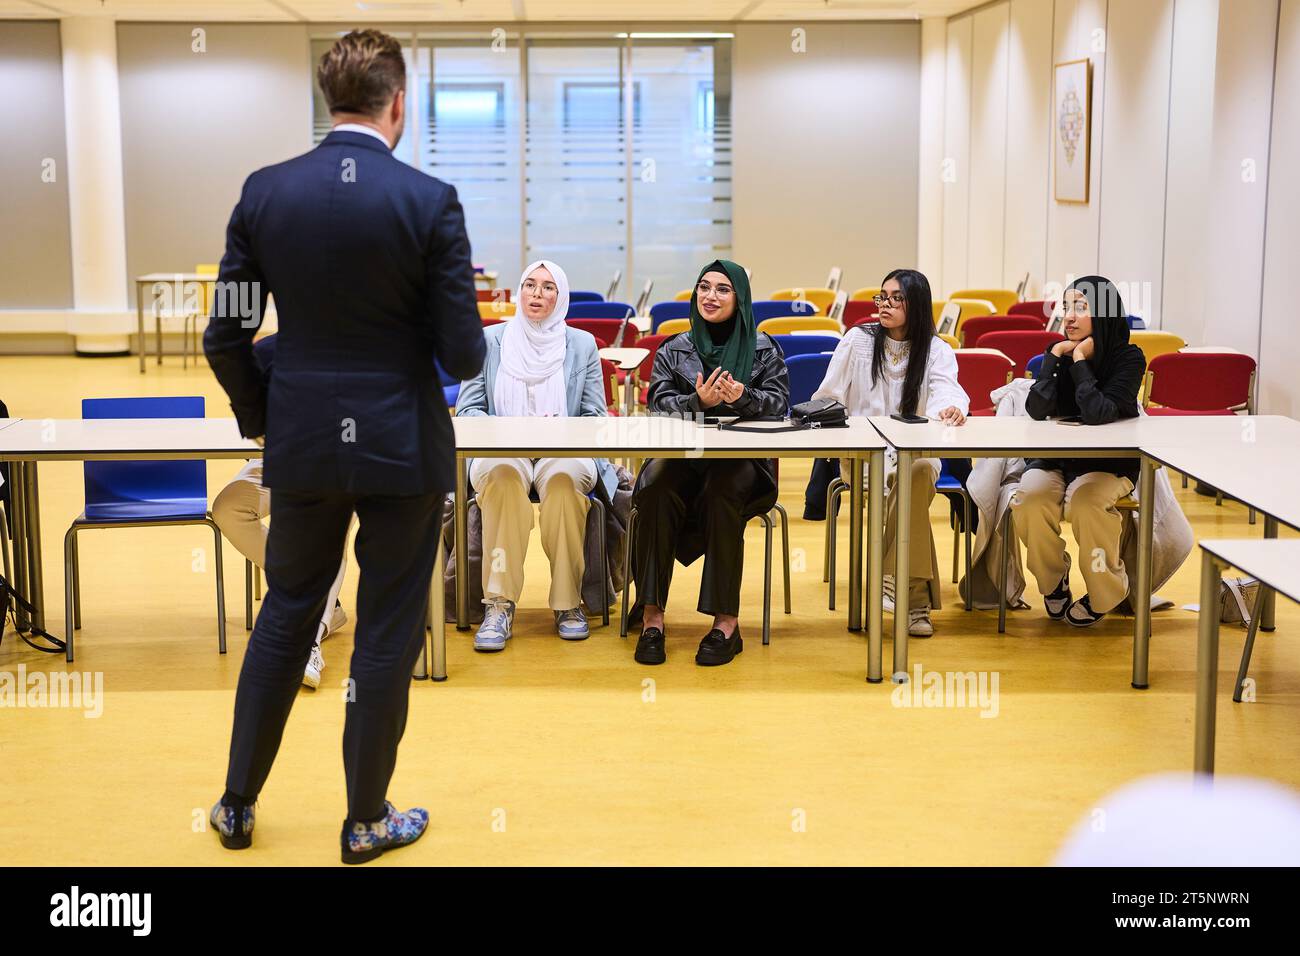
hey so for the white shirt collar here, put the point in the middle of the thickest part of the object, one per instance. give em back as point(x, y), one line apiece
point(359, 128)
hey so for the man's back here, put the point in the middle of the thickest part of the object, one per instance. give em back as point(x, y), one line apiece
point(369, 266)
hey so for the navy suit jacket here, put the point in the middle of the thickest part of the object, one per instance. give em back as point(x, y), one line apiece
point(369, 264)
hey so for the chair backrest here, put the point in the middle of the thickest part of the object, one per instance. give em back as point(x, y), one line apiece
point(949, 318)
point(584, 295)
point(1136, 322)
point(972, 309)
point(973, 329)
point(493, 295)
point(806, 374)
point(496, 309)
point(674, 326)
point(791, 324)
point(792, 345)
point(488, 322)
point(1021, 346)
point(651, 344)
point(1202, 381)
point(836, 311)
point(663, 311)
point(684, 295)
point(1040, 308)
point(979, 373)
point(1153, 344)
point(119, 488)
point(780, 308)
point(858, 311)
point(1002, 299)
point(605, 331)
point(1033, 365)
point(609, 372)
point(599, 310)
point(950, 339)
point(822, 298)
point(865, 294)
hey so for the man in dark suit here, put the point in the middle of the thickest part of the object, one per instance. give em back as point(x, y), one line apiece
point(369, 264)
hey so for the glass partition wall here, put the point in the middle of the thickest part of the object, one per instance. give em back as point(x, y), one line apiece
point(610, 154)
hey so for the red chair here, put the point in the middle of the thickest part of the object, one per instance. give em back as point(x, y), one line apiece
point(979, 373)
point(606, 330)
point(1020, 347)
point(859, 312)
point(1200, 383)
point(646, 368)
point(1038, 308)
point(493, 295)
point(609, 372)
point(487, 322)
point(973, 328)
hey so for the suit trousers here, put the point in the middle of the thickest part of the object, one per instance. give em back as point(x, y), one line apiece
point(396, 549)
point(710, 495)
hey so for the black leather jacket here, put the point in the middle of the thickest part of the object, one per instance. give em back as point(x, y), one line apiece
point(672, 383)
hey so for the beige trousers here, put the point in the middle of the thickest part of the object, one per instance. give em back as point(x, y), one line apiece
point(1088, 503)
point(923, 586)
point(502, 486)
point(239, 511)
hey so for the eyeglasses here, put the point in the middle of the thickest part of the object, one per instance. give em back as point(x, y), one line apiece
point(721, 291)
point(548, 288)
point(896, 299)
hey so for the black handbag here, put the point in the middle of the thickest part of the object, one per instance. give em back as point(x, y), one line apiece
point(818, 413)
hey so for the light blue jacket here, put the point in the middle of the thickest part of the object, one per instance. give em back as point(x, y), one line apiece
point(583, 387)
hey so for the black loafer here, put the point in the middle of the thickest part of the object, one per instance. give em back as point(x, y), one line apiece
point(650, 647)
point(716, 648)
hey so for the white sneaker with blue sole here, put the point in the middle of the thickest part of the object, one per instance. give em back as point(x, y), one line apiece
point(495, 629)
point(572, 625)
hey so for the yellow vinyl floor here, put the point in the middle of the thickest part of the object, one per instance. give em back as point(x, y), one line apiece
point(570, 753)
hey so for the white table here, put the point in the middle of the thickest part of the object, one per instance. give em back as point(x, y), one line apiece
point(645, 436)
point(1277, 565)
point(183, 285)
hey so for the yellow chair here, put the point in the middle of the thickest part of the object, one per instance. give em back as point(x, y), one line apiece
point(970, 308)
point(1155, 343)
point(823, 299)
point(950, 339)
point(1002, 299)
point(865, 293)
point(787, 324)
point(937, 307)
point(673, 326)
point(496, 310)
point(683, 296)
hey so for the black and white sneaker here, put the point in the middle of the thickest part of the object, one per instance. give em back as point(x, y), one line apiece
point(1058, 602)
point(1081, 613)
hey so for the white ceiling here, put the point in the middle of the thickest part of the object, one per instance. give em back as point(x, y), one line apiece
point(497, 11)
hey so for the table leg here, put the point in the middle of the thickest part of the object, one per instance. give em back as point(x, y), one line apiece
point(902, 558)
point(462, 543)
point(855, 543)
point(139, 325)
point(438, 610)
point(35, 575)
point(1207, 664)
point(1266, 621)
point(875, 565)
point(18, 512)
point(1142, 587)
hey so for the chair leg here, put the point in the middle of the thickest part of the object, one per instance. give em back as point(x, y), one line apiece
point(627, 572)
point(248, 595)
point(785, 549)
point(1003, 560)
point(832, 514)
point(1184, 481)
point(221, 588)
point(768, 529)
point(1251, 515)
point(69, 628)
point(1249, 647)
point(604, 566)
point(832, 496)
point(956, 549)
point(967, 536)
point(4, 546)
point(257, 582)
point(76, 582)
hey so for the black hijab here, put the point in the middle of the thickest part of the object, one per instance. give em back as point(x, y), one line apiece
point(1109, 322)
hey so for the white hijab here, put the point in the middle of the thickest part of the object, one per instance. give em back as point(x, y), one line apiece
point(532, 354)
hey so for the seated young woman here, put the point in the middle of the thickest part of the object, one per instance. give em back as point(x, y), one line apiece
point(536, 365)
point(1094, 375)
point(900, 365)
point(692, 507)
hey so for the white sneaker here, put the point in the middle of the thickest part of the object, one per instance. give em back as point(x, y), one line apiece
point(918, 622)
point(887, 601)
point(337, 620)
point(315, 664)
point(497, 622)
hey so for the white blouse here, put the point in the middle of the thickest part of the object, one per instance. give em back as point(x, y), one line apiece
point(848, 379)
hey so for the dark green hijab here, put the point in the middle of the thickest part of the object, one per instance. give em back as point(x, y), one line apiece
point(736, 355)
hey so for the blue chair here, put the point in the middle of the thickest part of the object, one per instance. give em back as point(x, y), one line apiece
point(781, 308)
point(806, 374)
point(810, 344)
point(1135, 323)
point(599, 310)
point(950, 486)
point(141, 494)
point(661, 312)
point(451, 393)
point(1033, 365)
point(579, 296)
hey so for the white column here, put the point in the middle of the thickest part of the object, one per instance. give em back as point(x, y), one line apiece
point(98, 222)
point(929, 219)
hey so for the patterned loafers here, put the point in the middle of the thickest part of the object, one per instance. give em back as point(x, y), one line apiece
point(365, 841)
point(234, 828)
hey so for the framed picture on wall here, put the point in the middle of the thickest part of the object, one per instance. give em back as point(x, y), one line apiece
point(1072, 129)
